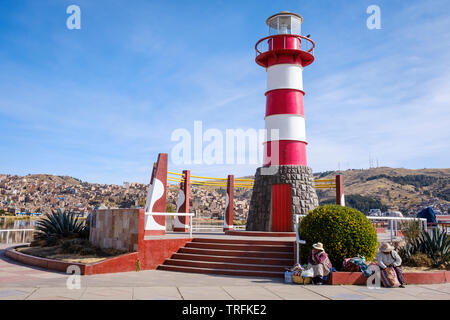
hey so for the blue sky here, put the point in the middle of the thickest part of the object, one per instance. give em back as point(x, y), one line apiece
point(100, 103)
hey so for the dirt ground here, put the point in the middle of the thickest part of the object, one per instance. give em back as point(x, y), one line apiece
point(52, 253)
point(420, 269)
point(417, 269)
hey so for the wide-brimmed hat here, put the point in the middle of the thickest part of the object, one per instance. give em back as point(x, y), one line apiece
point(318, 246)
point(386, 247)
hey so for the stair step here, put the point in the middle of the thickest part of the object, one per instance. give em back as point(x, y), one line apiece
point(233, 259)
point(225, 265)
point(234, 272)
point(244, 241)
point(243, 247)
point(259, 233)
point(237, 253)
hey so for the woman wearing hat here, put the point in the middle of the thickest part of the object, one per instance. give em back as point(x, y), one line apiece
point(388, 257)
point(320, 263)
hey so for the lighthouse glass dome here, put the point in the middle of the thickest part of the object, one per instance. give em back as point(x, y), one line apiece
point(284, 23)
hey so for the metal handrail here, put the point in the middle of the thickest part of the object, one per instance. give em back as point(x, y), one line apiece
point(171, 214)
point(395, 219)
point(217, 227)
point(15, 230)
point(297, 237)
point(284, 46)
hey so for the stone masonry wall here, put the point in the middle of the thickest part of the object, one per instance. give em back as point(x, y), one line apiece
point(304, 197)
point(115, 228)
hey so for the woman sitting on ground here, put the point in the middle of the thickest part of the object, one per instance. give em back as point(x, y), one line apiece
point(388, 257)
point(320, 264)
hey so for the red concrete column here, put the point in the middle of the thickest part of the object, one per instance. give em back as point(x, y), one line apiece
point(229, 205)
point(182, 223)
point(340, 198)
point(156, 198)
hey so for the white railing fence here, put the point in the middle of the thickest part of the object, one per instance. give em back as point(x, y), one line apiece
point(175, 214)
point(9, 236)
point(393, 228)
point(298, 242)
point(193, 227)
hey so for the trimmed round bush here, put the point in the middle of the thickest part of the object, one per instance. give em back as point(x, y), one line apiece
point(344, 232)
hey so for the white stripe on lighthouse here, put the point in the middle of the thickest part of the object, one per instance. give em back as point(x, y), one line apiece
point(290, 126)
point(285, 76)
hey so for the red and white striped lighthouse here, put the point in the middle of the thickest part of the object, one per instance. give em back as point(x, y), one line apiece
point(287, 190)
point(285, 55)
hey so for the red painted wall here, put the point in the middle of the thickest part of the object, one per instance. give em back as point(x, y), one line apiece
point(123, 263)
point(155, 252)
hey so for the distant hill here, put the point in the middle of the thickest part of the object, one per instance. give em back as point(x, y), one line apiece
point(56, 179)
point(384, 188)
point(406, 190)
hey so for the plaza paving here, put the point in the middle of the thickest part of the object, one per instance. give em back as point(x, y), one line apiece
point(18, 282)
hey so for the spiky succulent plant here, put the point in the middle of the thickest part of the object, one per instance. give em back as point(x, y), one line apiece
point(435, 244)
point(59, 225)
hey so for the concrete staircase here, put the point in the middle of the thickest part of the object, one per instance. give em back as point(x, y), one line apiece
point(243, 257)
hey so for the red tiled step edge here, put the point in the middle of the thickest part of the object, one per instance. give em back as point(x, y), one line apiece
point(233, 259)
point(225, 265)
point(244, 241)
point(242, 247)
point(259, 233)
point(236, 253)
point(232, 272)
point(122, 263)
point(410, 277)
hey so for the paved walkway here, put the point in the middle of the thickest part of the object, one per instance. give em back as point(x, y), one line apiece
point(18, 281)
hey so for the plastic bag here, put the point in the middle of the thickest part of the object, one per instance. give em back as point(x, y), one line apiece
point(308, 273)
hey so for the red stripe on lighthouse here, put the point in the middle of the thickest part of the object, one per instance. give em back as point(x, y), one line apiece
point(285, 41)
point(291, 152)
point(284, 101)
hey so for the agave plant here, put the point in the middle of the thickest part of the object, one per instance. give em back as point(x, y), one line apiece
point(436, 246)
point(407, 251)
point(58, 225)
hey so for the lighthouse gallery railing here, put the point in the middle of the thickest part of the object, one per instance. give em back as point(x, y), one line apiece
point(308, 45)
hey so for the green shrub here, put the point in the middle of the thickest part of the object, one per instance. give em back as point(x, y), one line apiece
point(344, 232)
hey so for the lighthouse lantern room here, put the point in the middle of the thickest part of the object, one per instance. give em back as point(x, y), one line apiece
point(284, 23)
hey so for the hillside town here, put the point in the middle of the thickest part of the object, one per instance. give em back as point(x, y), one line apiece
point(210, 203)
point(44, 193)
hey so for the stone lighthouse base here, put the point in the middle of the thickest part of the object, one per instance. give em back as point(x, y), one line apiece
point(303, 195)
